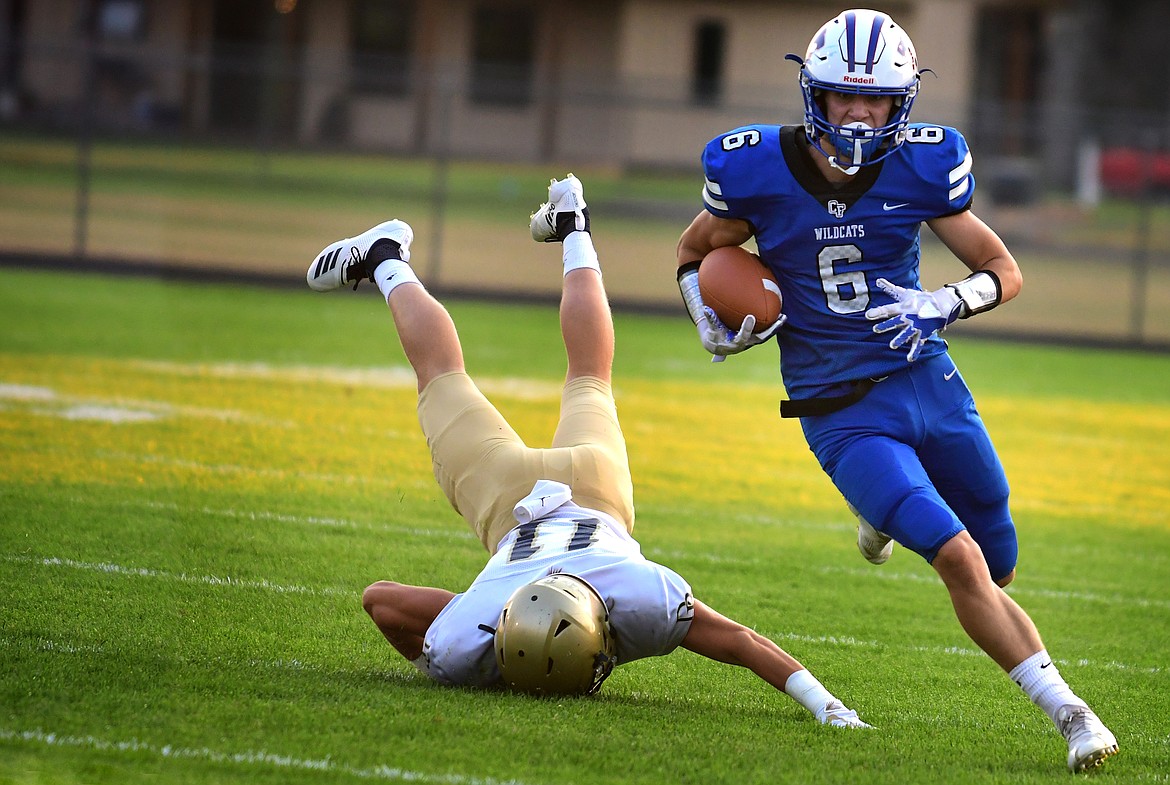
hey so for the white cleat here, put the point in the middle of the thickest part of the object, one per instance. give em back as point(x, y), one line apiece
point(564, 196)
point(344, 261)
point(837, 715)
point(874, 546)
point(1089, 741)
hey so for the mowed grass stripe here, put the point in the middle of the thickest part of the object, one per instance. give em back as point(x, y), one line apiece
point(831, 641)
point(118, 623)
point(445, 531)
point(1041, 440)
point(230, 582)
point(214, 580)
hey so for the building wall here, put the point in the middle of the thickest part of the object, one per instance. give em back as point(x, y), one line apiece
point(762, 84)
point(59, 76)
point(325, 58)
point(147, 67)
point(612, 76)
point(574, 53)
point(944, 37)
point(656, 68)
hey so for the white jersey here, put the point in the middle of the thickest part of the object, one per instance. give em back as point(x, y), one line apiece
point(650, 606)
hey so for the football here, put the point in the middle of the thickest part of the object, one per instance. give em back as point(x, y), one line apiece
point(734, 282)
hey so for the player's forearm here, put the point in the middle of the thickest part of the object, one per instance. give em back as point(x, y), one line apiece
point(978, 246)
point(692, 245)
point(1008, 272)
point(719, 638)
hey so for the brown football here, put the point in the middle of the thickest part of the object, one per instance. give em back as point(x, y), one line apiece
point(734, 282)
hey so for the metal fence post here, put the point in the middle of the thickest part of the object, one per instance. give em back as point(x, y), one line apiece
point(442, 159)
point(85, 133)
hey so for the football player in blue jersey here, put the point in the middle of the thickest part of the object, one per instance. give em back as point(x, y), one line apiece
point(566, 594)
point(835, 206)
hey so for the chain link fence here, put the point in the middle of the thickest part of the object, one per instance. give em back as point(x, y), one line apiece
point(260, 163)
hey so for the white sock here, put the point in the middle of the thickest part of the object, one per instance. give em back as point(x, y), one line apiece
point(391, 274)
point(807, 690)
point(1042, 682)
point(578, 251)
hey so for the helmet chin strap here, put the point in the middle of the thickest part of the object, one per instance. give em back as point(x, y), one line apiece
point(851, 170)
point(857, 152)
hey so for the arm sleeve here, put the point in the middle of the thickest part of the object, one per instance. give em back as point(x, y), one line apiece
point(718, 169)
point(651, 613)
point(960, 182)
point(457, 649)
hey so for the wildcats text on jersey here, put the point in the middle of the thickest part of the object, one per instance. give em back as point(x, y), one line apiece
point(848, 231)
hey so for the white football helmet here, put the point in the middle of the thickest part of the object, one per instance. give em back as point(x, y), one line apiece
point(866, 52)
point(554, 638)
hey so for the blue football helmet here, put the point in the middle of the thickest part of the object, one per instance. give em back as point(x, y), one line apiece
point(865, 52)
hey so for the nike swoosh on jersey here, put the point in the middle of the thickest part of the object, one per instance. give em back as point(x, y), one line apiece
point(947, 376)
point(887, 206)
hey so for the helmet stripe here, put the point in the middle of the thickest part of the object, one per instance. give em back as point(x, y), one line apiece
point(851, 39)
point(875, 31)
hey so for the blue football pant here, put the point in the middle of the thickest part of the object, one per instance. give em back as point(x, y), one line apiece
point(914, 458)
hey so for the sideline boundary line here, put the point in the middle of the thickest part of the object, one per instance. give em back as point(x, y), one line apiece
point(247, 758)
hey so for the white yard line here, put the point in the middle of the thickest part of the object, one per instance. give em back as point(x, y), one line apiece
point(149, 459)
point(47, 402)
point(258, 758)
point(182, 577)
point(883, 574)
point(452, 530)
point(387, 377)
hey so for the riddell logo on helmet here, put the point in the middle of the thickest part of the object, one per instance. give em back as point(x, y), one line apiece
point(858, 79)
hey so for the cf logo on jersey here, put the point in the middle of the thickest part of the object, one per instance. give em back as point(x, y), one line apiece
point(836, 209)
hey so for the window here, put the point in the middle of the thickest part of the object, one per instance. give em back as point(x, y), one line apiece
point(383, 41)
point(119, 20)
point(707, 69)
point(503, 56)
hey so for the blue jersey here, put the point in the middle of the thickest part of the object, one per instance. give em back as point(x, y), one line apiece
point(827, 245)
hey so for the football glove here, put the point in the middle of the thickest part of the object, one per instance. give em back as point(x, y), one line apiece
point(720, 340)
point(915, 314)
point(717, 337)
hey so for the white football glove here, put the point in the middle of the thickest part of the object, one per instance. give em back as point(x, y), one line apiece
point(720, 340)
point(916, 315)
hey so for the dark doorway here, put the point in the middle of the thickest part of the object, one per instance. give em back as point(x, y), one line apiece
point(707, 64)
point(256, 48)
point(11, 36)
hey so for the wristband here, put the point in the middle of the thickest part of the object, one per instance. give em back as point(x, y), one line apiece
point(977, 293)
point(688, 285)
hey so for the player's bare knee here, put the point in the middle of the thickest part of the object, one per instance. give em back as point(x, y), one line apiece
point(960, 562)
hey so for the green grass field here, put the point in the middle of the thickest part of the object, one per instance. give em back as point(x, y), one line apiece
point(197, 482)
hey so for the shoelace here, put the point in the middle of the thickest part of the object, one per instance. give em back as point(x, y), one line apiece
point(1075, 723)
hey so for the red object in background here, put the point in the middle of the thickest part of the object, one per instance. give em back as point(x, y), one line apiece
point(1128, 171)
point(1160, 171)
